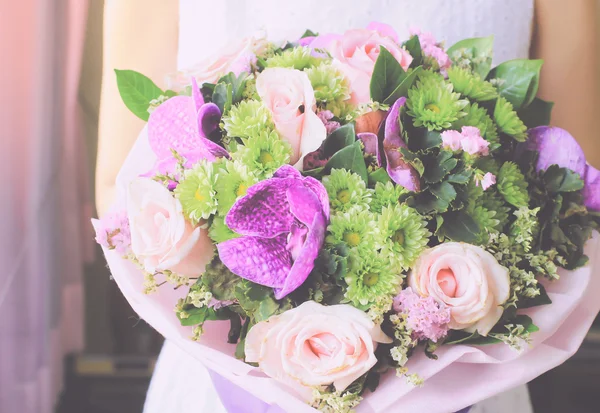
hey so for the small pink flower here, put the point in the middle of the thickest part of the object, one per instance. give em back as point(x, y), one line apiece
point(488, 180)
point(427, 318)
point(472, 142)
point(112, 232)
point(330, 125)
point(451, 140)
point(431, 48)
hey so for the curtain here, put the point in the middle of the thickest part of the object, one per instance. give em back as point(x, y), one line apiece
point(44, 199)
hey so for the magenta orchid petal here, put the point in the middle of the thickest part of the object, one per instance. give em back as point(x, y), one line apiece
point(306, 41)
point(384, 30)
point(197, 95)
point(304, 203)
point(556, 146)
point(371, 143)
point(287, 171)
point(265, 261)
point(399, 171)
point(209, 116)
point(319, 190)
point(591, 190)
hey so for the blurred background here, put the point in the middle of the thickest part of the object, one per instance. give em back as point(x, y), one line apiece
point(95, 355)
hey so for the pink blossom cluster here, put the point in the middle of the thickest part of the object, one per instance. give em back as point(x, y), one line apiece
point(330, 125)
point(112, 232)
point(427, 318)
point(469, 139)
point(431, 48)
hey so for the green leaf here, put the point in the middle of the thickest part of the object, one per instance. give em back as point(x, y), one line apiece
point(137, 91)
point(223, 96)
point(427, 140)
point(221, 283)
point(413, 46)
point(459, 226)
point(238, 84)
point(309, 33)
point(378, 175)
point(403, 87)
point(541, 299)
point(350, 158)
point(387, 76)
point(439, 167)
point(460, 337)
point(538, 113)
point(559, 179)
point(339, 139)
point(266, 309)
point(481, 49)
point(235, 328)
point(461, 177)
point(520, 80)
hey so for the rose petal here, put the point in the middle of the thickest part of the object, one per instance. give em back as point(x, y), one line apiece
point(591, 190)
point(384, 30)
point(399, 171)
point(265, 261)
point(556, 146)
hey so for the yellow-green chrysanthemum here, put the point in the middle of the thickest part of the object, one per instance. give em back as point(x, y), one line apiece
point(196, 192)
point(508, 121)
point(385, 195)
point(512, 185)
point(478, 117)
point(370, 277)
point(263, 154)
point(346, 190)
point(219, 231)
point(233, 180)
point(298, 58)
point(356, 228)
point(405, 234)
point(328, 83)
point(247, 119)
point(471, 85)
point(434, 105)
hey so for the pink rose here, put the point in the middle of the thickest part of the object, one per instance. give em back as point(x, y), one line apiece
point(356, 51)
point(315, 345)
point(161, 238)
point(290, 98)
point(465, 278)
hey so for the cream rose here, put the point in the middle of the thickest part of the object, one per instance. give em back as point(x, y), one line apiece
point(467, 279)
point(315, 345)
point(161, 238)
point(290, 98)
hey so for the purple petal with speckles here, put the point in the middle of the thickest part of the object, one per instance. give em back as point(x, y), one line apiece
point(321, 193)
point(371, 142)
point(306, 260)
point(264, 211)
point(556, 146)
point(591, 190)
point(287, 171)
point(265, 261)
point(399, 171)
point(304, 203)
point(196, 95)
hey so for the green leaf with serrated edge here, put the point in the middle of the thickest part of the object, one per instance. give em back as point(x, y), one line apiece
point(266, 309)
point(479, 47)
point(426, 203)
point(439, 167)
point(459, 226)
point(387, 75)
point(461, 177)
point(542, 299)
point(413, 160)
point(519, 80)
point(559, 179)
point(137, 91)
point(350, 158)
point(339, 139)
point(402, 89)
point(538, 113)
point(413, 46)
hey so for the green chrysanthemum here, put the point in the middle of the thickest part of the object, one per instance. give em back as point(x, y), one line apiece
point(247, 119)
point(478, 117)
point(385, 195)
point(219, 231)
point(356, 228)
point(434, 105)
point(405, 234)
point(196, 192)
point(493, 201)
point(430, 76)
point(328, 83)
point(263, 154)
point(342, 109)
point(346, 190)
point(508, 121)
point(486, 221)
point(233, 180)
point(471, 85)
point(298, 58)
point(370, 277)
point(512, 185)
point(250, 89)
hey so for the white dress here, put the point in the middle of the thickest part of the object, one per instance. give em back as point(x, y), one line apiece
point(180, 383)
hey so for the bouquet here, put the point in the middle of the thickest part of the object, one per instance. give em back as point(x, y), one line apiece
point(348, 218)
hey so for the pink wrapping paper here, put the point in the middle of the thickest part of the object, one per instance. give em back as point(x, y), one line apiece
point(462, 375)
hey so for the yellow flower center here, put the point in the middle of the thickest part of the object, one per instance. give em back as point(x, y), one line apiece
point(343, 196)
point(398, 237)
point(265, 157)
point(241, 190)
point(433, 107)
point(352, 238)
point(370, 279)
point(199, 196)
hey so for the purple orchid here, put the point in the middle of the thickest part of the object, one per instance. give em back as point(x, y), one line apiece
point(282, 221)
point(371, 146)
point(556, 146)
point(183, 124)
point(399, 171)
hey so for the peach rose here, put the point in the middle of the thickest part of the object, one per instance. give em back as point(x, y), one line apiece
point(315, 345)
point(356, 52)
point(468, 280)
point(161, 238)
point(290, 98)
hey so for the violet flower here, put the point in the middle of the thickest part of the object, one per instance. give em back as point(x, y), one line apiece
point(556, 146)
point(282, 221)
point(183, 124)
